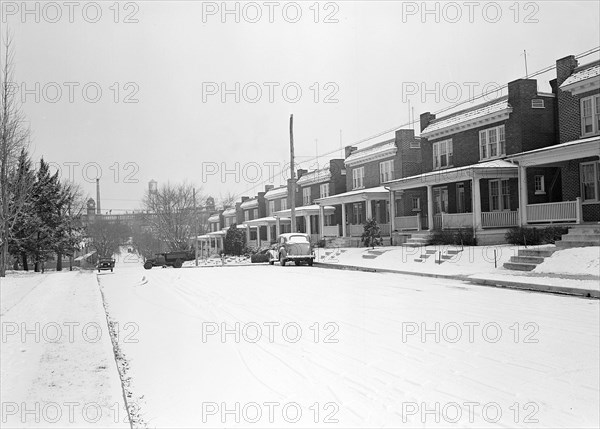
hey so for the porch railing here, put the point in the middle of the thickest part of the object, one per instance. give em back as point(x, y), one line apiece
point(406, 222)
point(452, 220)
point(384, 229)
point(355, 230)
point(331, 231)
point(499, 219)
point(565, 211)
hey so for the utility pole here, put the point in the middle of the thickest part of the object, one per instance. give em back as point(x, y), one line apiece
point(293, 174)
point(195, 228)
point(526, 72)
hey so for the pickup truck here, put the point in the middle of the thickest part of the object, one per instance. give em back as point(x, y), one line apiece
point(169, 259)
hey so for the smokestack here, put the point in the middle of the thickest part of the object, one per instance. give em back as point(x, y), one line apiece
point(98, 196)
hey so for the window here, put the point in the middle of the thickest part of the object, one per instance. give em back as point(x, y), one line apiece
point(499, 195)
point(492, 143)
point(415, 143)
point(416, 203)
point(440, 200)
point(460, 198)
point(442, 154)
point(271, 208)
point(255, 214)
point(357, 213)
point(227, 222)
point(247, 215)
point(539, 184)
point(283, 204)
point(386, 171)
point(590, 181)
point(590, 115)
point(306, 196)
point(537, 103)
point(358, 175)
point(324, 190)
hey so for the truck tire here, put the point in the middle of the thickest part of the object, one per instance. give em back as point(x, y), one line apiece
point(178, 263)
point(148, 265)
point(310, 262)
point(297, 263)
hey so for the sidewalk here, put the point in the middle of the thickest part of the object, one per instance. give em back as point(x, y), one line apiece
point(476, 265)
point(58, 367)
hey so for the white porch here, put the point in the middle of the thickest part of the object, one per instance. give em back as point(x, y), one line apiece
point(269, 222)
point(314, 219)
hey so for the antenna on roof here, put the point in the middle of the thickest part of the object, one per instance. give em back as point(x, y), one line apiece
point(526, 72)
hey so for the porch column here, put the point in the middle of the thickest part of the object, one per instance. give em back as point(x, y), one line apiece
point(269, 233)
point(476, 196)
point(258, 236)
point(369, 209)
point(321, 221)
point(344, 220)
point(522, 195)
point(277, 226)
point(307, 224)
point(430, 206)
point(222, 243)
point(247, 235)
point(392, 211)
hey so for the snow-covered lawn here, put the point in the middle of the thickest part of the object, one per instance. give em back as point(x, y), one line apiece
point(57, 365)
point(579, 260)
point(271, 346)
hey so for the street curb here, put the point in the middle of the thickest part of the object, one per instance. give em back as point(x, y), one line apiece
point(505, 284)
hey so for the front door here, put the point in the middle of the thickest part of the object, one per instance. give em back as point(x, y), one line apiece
point(440, 200)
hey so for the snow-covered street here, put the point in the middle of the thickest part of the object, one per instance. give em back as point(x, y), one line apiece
point(275, 346)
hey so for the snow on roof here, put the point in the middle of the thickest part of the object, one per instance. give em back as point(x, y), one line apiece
point(572, 144)
point(585, 74)
point(249, 204)
point(386, 148)
point(363, 191)
point(316, 176)
point(276, 193)
point(229, 212)
point(214, 218)
point(467, 115)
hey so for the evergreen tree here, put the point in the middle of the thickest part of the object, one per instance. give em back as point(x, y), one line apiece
point(235, 241)
point(372, 234)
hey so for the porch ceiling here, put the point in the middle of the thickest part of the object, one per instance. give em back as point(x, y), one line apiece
point(483, 170)
point(582, 148)
point(378, 193)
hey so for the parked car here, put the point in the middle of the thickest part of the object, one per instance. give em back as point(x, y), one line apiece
point(105, 264)
point(169, 259)
point(292, 247)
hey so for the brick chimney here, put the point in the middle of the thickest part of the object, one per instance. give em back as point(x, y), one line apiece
point(349, 150)
point(268, 187)
point(425, 119)
point(564, 68)
point(301, 172)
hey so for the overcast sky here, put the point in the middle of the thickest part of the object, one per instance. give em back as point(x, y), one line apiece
point(162, 66)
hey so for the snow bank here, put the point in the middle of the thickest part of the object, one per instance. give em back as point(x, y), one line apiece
point(579, 260)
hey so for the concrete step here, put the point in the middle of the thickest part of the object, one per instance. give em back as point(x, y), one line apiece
point(534, 252)
point(527, 259)
point(431, 252)
point(424, 256)
point(584, 230)
point(582, 237)
point(369, 256)
point(447, 257)
point(453, 252)
point(570, 244)
point(519, 266)
point(418, 260)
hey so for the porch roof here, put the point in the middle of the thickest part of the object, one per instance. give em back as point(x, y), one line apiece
point(265, 221)
point(219, 233)
point(378, 193)
point(489, 169)
point(581, 148)
point(307, 210)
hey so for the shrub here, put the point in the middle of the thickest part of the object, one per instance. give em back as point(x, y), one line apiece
point(462, 236)
point(259, 257)
point(526, 236)
point(371, 236)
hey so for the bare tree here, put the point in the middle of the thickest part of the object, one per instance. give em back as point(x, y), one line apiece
point(228, 201)
point(14, 136)
point(106, 237)
point(173, 213)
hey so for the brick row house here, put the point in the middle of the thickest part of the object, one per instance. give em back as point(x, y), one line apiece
point(466, 180)
point(526, 158)
point(561, 183)
point(367, 169)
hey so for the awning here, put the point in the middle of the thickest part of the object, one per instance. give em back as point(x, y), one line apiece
point(312, 210)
